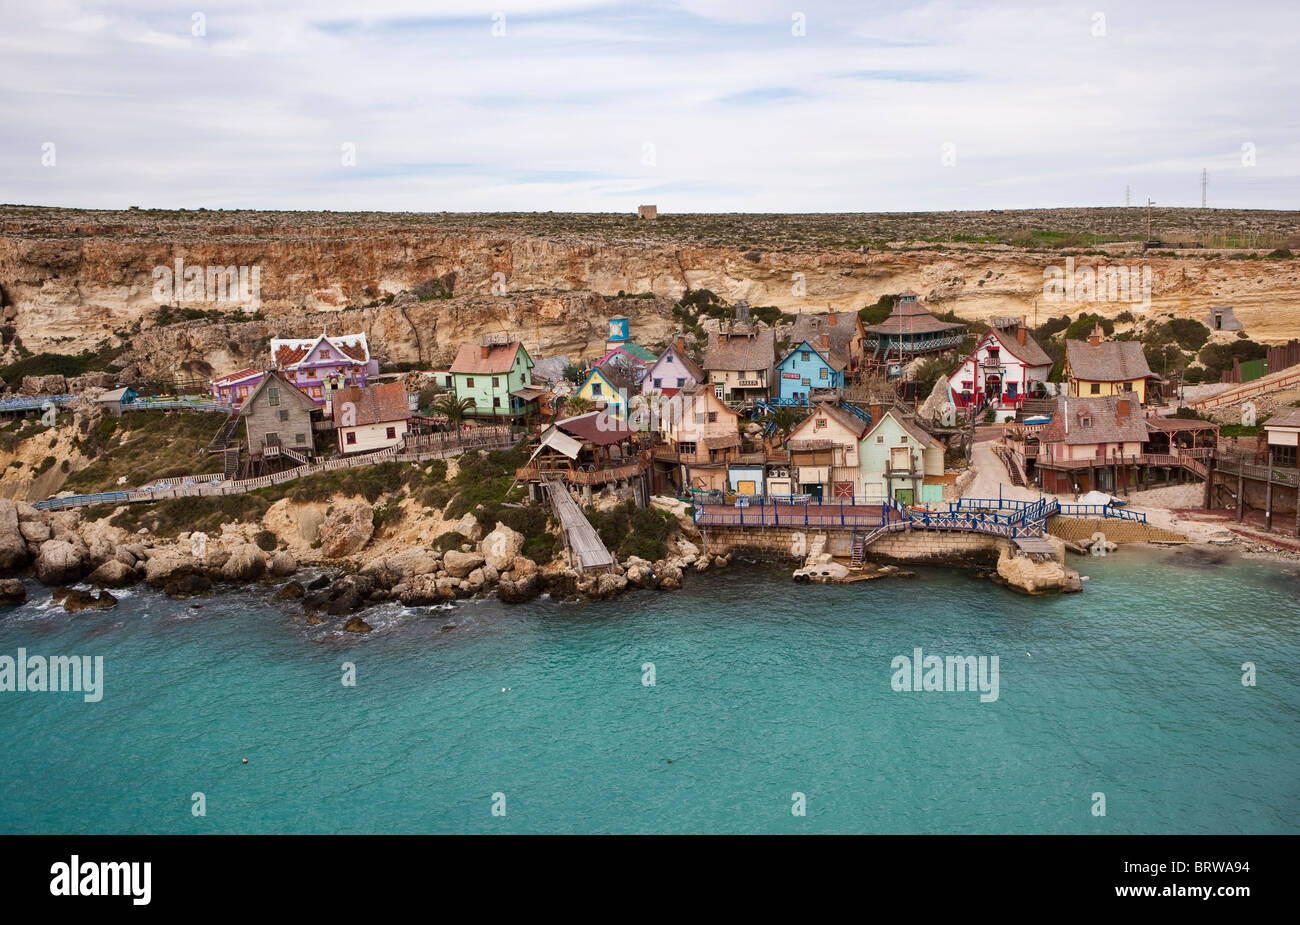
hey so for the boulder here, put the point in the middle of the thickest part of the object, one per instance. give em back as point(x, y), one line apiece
point(518, 590)
point(283, 564)
point(159, 568)
point(477, 579)
point(523, 567)
point(26, 512)
point(187, 583)
point(112, 574)
point(500, 547)
point(293, 591)
point(60, 562)
point(34, 531)
point(468, 527)
point(346, 529)
point(412, 562)
point(74, 600)
point(246, 563)
point(12, 591)
point(13, 546)
point(357, 625)
point(460, 564)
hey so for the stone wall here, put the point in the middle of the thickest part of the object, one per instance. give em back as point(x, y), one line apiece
point(779, 544)
point(1079, 529)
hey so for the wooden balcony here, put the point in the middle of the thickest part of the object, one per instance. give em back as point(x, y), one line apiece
point(581, 476)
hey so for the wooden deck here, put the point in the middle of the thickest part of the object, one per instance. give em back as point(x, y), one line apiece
point(586, 549)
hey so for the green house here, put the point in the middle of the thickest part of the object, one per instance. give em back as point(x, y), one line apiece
point(497, 377)
point(899, 460)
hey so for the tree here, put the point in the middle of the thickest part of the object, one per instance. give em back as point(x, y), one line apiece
point(455, 408)
point(787, 418)
point(575, 405)
point(928, 373)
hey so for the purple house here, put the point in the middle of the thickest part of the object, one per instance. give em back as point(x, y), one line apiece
point(316, 365)
point(672, 371)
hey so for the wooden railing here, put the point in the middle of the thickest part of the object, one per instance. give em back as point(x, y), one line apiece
point(1238, 466)
point(581, 476)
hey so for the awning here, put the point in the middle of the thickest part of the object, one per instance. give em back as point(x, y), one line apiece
point(723, 442)
point(557, 440)
point(528, 393)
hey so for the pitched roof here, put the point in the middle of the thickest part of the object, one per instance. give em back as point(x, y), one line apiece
point(597, 427)
point(286, 351)
point(1030, 352)
point(692, 367)
point(278, 378)
point(810, 328)
point(499, 359)
point(1109, 361)
point(637, 351)
point(741, 351)
point(1288, 418)
point(231, 378)
point(836, 363)
point(911, 317)
point(909, 426)
point(1103, 421)
point(851, 422)
point(376, 404)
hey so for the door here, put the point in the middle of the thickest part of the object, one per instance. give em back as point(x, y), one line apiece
point(745, 488)
point(814, 489)
point(900, 458)
point(843, 491)
point(903, 496)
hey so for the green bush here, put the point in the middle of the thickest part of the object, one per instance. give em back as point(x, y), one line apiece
point(265, 540)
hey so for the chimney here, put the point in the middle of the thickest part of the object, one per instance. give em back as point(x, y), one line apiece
point(1094, 339)
point(1122, 409)
point(832, 318)
point(483, 351)
point(681, 345)
point(876, 410)
point(826, 341)
point(1021, 334)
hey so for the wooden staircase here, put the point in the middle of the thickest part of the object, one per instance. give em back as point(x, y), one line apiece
point(221, 439)
point(231, 462)
point(1013, 465)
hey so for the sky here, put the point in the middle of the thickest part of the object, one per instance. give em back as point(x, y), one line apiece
point(694, 105)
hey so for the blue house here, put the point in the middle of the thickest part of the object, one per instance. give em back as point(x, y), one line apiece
point(804, 373)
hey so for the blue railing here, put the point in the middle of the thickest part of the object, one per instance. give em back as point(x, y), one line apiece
point(34, 402)
point(1102, 510)
point(179, 403)
point(54, 504)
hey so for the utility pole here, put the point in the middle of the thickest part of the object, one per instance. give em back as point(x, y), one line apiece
point(1128, 191)
point(1203, 178)
point(1150, 203)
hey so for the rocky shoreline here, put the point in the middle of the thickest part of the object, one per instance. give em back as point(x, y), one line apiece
point(61, 549)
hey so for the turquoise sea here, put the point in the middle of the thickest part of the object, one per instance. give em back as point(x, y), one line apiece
point(763, 689)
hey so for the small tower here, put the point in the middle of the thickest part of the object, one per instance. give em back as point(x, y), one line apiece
point(618, 333)
point(649, 213)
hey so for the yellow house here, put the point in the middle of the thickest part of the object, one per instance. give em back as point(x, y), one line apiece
point(602, 393)
point(1097, 369)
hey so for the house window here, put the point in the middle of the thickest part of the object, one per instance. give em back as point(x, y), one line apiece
point(822, 372)
point(805, 382)
point(804, 356)
point(352, 437)
point(284, 414)
point(1128, 387)
point(324, 354)
point(273, 397)
point(713, 417)
point(1095, 388)
point(300, 439)
point(391, 433)
point(820, 424)
point(595, 388)
point(659, 383)
point(469, 383)
point(680, 382)
point(881, 439)
point(496, 382)
point(699, 417)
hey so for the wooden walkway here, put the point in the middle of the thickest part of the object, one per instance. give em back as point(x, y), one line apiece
point(586, 549)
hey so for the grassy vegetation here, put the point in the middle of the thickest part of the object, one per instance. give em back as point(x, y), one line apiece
point(142, 446)
point(61, 364)
point(628, 530)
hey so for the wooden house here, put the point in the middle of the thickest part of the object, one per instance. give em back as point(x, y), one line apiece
point(839, 334)
point(496, 375)
point(277, 419)
point(700, 435)
point(1095, 368)
point(601, 391)
point(1003, 369)
point(740, 361)
point(589, 451)
point(899, 460)
point(808, 373)
point(1093, 442)
point(823, 450)
point(672, 371)
point(909, 331)
point(373, 418)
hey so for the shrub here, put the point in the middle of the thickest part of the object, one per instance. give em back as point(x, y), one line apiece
point(265, 540)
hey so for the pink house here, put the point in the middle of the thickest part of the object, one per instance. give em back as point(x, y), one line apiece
point(315, 365)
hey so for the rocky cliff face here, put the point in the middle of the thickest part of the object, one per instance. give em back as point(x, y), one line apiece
point(69, 279)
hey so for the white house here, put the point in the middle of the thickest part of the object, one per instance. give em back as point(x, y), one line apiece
point(373, 418)
point(1001, 371)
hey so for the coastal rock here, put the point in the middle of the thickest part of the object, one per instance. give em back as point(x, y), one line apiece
point(687, 550)
point(319, 582)
point(75, 601)
point(112, 574)
point(13, 547)
point(476, 579)
point(27, 512)
point(12, 591)
point(60, 562)
point(1032, 576)
point(246, 563)
point(410, 563)
point(500, 547)
point(34, 531)
point(522, 567)
point(187, 583)
point(65, 523)
point(468, 527)
point(346, 529)
point(640, 575)
point(521, 589)
point(292, 591)
point(283, 564)
point(357, 625)
point(447, 588)
point(460, 564)
point(159, 568)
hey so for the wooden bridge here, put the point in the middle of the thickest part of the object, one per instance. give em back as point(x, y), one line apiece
point(585, 547)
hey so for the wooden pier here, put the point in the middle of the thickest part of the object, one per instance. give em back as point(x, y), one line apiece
point(586, 549)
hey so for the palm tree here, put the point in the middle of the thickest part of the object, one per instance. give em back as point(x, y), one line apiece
point(575, 405)
point(455, 408)
point(786, 418)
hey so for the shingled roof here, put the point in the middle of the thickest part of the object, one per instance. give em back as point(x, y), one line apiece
point(1095, 420)
point(841, 327)
point(476, 359)
point(1110, 361)
point(376, 404)
point(912, 317)
point(741, 351)
point(286, 351)
point(1030, 352)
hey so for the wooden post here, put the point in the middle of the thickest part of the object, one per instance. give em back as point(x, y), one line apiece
point(1241, 494)
point(1268, 497)
point(1209, 481)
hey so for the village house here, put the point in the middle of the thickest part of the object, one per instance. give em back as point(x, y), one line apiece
point(277, 418)
point(899, 460)
point(1282, 432)
point(844, 335)
point(600, 390)
point(672, 370)
point(808, 373)
point(909, 331)
point(823, 450)
point(316, 365)
point(700, 435)
point(373, 418)
point(1096, 368)
point(739, 360)
point(496, 376)
point(1001, 371)
point(588, 452)
point(1092, 443)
